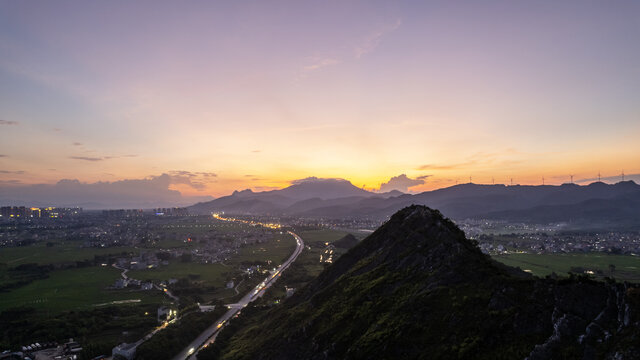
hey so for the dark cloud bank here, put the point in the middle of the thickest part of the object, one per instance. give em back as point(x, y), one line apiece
point(139, 193)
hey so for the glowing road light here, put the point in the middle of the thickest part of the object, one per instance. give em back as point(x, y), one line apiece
point(191, 351)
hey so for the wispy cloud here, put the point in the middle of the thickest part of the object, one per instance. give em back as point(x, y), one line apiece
point(320, 63)
point(100, 158)
point(88, 158)
point(366, 46)
point(14, 172)
point(314, 64)
point(446, 166)
point(372, 41)
point(192, 173)
point(479, 158)
point(11, 182)
point(77, 144)
point(6, 122)
point(2, 155)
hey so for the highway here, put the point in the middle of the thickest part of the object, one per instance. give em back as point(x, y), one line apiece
point(209, 335)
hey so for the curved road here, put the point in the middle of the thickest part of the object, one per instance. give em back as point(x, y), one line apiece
point(209, 335)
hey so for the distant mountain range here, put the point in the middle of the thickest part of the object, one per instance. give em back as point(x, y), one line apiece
point(418, 289)
point(594, 204)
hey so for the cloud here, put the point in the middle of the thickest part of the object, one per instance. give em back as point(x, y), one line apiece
point(130, 193)
point(196, 180)
point(265, 188)
point(446, 167)
point(320, 63)
point(315, 64)
point(15, 172)
point(77, 144)
point(253, 177)
point(5, 122)
point(314, 179)
point(423, 177)
point(256, 151)
point(372, 41)
point(2, 155)
point(87, 158)
point(99, 158)
point(401, 183)
point(192, 174)
point(500, 159)
point(10, 182)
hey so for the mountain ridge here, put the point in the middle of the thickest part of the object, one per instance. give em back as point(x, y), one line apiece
point(458, 202)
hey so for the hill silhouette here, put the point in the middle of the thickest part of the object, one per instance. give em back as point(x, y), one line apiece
point(418, 289)
point(346, 242)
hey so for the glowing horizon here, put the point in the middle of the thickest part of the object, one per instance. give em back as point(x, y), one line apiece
point(224, 97)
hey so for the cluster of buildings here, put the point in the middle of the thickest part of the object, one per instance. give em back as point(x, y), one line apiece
point(45, 351)
point(132, 283)
point(359, 223)
point(16, 212)
point(146, 259)
point(627, 243)
point(123, 213)
point(175, 211)
point(327, 254)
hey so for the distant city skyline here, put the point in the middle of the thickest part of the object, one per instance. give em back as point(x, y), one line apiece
point(207, 98)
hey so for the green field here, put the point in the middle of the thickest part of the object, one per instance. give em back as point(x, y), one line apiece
point(208, 274)
point(74, 289)
point(276, 250)
point(59, 253)
point(627, 268)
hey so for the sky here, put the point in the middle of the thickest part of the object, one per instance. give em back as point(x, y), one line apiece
point(204, 98)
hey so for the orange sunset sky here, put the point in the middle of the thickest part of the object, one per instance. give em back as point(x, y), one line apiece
point(234, 95)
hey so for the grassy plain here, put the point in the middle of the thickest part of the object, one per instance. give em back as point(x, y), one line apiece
point(208, 274)
point(627, 268)
point(74, 289)
point(276, 250)
point(61, 252)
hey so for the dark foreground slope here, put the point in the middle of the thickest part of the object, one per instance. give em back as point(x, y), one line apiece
point(417, 288)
